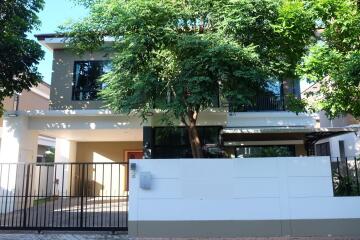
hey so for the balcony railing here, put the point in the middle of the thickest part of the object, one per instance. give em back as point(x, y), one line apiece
point(85, 95)
point(259, 104)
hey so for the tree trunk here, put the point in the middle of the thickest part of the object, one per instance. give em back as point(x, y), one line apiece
point(195, 143)
point(194, 138)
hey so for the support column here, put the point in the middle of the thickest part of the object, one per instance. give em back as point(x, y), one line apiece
point(65, 152)
point(19, 145)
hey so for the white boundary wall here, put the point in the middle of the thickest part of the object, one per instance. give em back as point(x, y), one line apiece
point(238, 189)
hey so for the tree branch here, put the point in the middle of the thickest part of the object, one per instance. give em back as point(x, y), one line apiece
point(183, 120)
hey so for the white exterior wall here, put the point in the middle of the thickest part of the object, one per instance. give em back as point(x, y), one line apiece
point(270, 119)
point(351, 143)
point(19, 145)
point(65, 153)
point(238, 189)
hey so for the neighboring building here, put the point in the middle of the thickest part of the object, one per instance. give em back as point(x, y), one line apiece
point(37, 98)
point(341, 145)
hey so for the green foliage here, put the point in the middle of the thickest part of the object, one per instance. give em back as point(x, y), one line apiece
point(18, 54)
point(275, 151)
point(175, 56)
point(50, 155)
point(334, 61)
point(184, 51)
point(295, 104)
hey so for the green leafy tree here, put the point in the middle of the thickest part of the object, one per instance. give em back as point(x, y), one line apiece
point(18, 54)
point(333, 62)
point(176, 56)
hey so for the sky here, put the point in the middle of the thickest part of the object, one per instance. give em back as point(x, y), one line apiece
point(54, 14)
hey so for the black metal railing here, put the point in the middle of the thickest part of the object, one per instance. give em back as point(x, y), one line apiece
point(64, 196)
point(260, 103)
point(85, 95)
point(345, 176)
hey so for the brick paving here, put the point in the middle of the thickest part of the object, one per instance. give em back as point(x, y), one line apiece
point(108, 236)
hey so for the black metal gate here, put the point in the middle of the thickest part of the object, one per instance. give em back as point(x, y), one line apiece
point(64, 196)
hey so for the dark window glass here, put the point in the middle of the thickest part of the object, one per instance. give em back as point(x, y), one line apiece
point(172, 142)
point(342, 149)
point(40, 159)
point(86, 74)
point(271, 100)
point(274, 88)
point(167, 136)
point(266, 151)
point(323, 149)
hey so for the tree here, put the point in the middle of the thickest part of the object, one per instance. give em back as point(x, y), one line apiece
point(18, 54)
point(333, 62)
point(176, 56)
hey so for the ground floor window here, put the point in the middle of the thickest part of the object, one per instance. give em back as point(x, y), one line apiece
point(173, 142)
point(265, 151)
point(323, 149)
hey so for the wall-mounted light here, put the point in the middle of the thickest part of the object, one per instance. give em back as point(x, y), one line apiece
point(12, 115)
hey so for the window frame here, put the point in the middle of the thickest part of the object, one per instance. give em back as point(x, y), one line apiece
point(73, 98)
point(323, 148)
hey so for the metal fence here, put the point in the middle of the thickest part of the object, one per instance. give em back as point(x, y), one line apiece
point(345, 176)
point(64, 196)
point(260, 103)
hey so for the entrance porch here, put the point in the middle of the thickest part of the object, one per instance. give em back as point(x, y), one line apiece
point(86, 187)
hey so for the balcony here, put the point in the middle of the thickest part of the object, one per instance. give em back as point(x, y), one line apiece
point(266, 111)
point(260, 104)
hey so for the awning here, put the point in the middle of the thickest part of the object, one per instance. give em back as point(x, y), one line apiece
point(267, 134)
point(331, 130)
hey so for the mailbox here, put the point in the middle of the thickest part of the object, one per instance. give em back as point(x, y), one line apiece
point(145, 180)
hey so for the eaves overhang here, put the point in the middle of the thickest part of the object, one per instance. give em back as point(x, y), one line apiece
point(54, 41)
point(308, 135)
point(289, 130)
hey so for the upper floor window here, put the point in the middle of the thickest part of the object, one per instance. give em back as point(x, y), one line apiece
point(86, 74)
point(274, 88)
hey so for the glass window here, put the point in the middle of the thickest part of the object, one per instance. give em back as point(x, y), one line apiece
point(173, 142)
point(265, 151)
point(274, 87)
point(323, 149)
point(86, 74)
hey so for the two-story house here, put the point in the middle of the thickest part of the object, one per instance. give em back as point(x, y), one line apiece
point(87, 188)
point(86, 131)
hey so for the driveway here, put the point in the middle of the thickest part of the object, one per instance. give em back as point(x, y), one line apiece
point(67, 212)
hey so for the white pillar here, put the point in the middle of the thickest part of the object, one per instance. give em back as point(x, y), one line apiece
point(65, 152)
point(19, 145)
